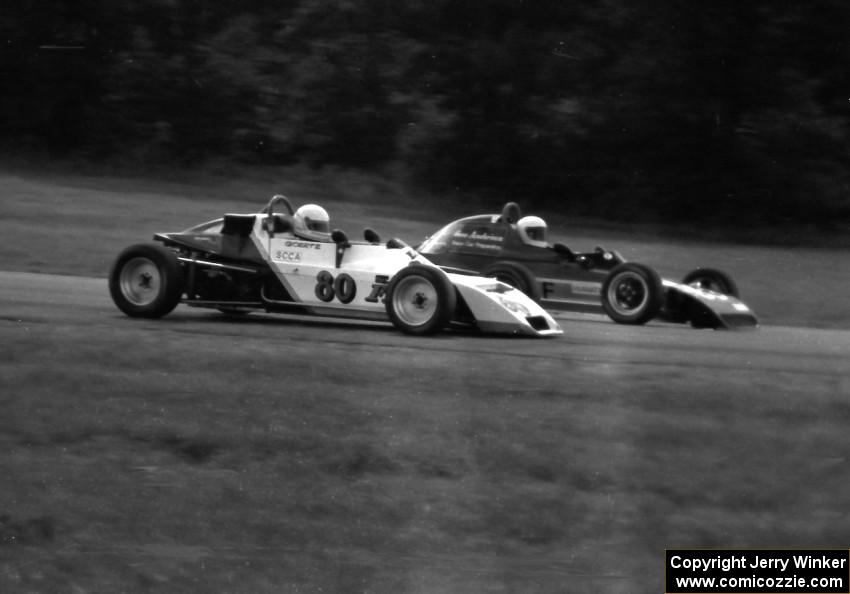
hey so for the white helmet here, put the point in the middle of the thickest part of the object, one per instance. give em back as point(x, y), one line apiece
point(533, 231)
point(312, 222)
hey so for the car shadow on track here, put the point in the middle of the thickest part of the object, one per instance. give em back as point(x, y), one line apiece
point(266, 319)
point(182, 320)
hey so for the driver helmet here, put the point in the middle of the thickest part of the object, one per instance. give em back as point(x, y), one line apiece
point(312, 222)
point(533, 231)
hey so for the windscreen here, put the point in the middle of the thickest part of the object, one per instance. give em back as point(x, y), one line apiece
point(439, 242)
point(473, 235)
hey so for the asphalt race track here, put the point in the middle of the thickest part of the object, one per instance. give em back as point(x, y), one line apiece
point(590, 340)
point(624, 440)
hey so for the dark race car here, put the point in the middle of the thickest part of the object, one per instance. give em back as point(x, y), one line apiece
point(514, 249)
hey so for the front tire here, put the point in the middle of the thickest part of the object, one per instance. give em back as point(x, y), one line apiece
point(146, 281)
point(420, 300)
point(515, 275)
point(632, 294)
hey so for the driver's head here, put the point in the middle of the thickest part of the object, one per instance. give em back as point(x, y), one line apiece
point(533, 231)
point(312, 222)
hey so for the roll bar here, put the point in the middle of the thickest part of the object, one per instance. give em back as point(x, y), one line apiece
point(269, 211)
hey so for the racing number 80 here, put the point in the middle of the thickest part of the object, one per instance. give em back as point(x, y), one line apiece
point(342, 287)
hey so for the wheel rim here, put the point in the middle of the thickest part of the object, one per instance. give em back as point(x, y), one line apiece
point(628, 293)
point(414, 300)
point(140, 281)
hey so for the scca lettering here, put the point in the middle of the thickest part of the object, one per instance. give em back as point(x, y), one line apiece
point(302, 244)
point(283, 256)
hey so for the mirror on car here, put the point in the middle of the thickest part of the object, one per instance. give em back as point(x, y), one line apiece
point(561, 249)
point(339, 237)
point(371, 235)
point(564, 252)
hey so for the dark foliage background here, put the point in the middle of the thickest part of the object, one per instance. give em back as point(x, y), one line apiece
point(726, 112)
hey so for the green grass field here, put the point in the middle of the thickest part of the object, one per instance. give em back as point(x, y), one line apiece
point(148, 460)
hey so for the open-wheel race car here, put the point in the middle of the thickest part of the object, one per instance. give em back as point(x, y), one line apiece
point(515, 250)
point(284, 260)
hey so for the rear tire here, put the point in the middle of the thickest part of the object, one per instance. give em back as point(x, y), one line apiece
point(713, 280)
point(515, 275)
point(146, 281)
point(420, 300)
point(632, 294)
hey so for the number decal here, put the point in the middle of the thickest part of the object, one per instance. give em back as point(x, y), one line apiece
point(345, 288)
point(342, 287)
point(325, 286)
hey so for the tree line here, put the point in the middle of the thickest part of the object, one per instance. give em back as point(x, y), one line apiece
point(723, 111)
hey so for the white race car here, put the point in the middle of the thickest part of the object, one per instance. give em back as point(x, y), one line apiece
point(290, 262)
